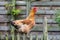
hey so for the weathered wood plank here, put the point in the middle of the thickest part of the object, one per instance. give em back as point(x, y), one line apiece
point(6, 18)
point(3, 2)
point(41, 21)
point(23, 8)
point(45, 0)
point(5, 12)
point(3, 18)
point(55, 27)
point(40, 35)
point(21, 2)
point(46, 3)
point(2, 8)
point(40, 8)
point(55, 8)
point(56, 0)
point(36, 27)
point(46, 11)
point(18, 2)
point(49, 8)
point(38, 12)
point(50, 37)
point(5, 28)
point(4, 24)
point(40, 0)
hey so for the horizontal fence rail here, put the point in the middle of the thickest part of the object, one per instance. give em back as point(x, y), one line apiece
point(23, 3)
point(36, 28)
point(50, 12)
point(38, 21)
point(31, 37)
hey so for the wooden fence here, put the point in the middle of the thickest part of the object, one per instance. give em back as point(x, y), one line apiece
point(45, 8)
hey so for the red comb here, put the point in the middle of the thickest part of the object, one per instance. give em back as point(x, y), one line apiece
point(35, 9)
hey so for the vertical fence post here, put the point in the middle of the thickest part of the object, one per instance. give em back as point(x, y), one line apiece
point(0, 35)
point(12, 33)
point(28, 6)
point(41, 37)
point(18, 36)
point(6, 36)
point(36, 37)
point(30, 37)
point(45, 30)
point(24, 36)
point(12, 17)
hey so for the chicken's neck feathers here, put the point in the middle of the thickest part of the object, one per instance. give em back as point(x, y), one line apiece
point(31, 15)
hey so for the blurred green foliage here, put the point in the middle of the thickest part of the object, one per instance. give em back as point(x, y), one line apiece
point(15, 11)
point(12, 10)
point(57, 17)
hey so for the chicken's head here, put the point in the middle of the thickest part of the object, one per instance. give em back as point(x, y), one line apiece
point(35, 9)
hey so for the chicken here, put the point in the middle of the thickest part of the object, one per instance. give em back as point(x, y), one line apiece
point(27, 24)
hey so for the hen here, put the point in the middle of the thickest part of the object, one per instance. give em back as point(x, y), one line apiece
point(25, 25)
